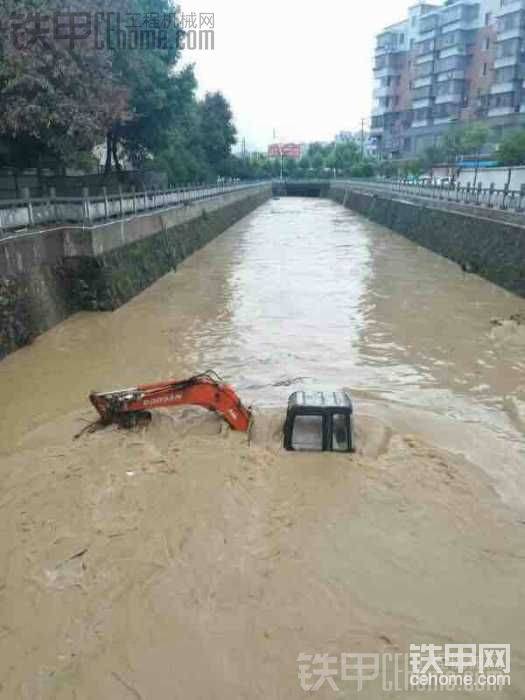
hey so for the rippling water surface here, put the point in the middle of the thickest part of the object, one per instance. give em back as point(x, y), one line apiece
point(303, 293)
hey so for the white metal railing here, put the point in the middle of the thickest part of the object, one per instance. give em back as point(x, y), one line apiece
point(30, 212)
point(477, 196)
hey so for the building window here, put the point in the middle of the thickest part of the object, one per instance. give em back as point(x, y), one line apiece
point(505, 100)
point(506, 74)
point(511, 47)
point(484, 69)
point(488, 17)
point(487, 44)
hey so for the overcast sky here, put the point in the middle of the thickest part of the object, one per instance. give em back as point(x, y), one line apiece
point(304, 69)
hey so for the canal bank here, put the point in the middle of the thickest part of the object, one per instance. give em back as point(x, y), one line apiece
point(492, 248)
point(47, 275)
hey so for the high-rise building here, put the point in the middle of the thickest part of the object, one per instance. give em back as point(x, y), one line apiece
point(457, 62)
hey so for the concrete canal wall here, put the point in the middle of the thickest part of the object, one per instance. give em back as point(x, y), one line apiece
point(45, 276)
point(494, 249)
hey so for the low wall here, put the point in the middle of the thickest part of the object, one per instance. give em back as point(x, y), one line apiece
point(46, 276)
point(514, 176)
point(493, 249)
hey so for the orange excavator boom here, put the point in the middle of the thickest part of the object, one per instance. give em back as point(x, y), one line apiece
point(206, 390)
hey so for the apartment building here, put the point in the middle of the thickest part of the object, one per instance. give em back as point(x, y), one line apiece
point(456, 62)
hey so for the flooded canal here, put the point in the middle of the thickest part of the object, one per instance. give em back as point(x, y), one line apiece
point(181, 561)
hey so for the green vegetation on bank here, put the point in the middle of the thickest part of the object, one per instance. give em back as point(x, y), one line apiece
point(470, 142)
point(58, 101)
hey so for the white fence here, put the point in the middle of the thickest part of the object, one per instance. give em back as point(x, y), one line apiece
point(503, 199)
point(28, 213)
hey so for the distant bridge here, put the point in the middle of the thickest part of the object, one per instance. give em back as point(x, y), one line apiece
point(301, 188)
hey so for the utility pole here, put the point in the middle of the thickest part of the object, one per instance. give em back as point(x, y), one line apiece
point(362, 139)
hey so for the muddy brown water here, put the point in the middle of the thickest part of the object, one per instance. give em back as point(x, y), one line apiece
point(305, 294)
point(182, 561)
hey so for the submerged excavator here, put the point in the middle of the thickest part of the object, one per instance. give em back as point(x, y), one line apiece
point(315, 421)
point(128, 407)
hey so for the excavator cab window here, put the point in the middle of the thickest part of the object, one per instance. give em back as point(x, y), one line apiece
point(308, 432)
point(319, 421)
point(340, 432)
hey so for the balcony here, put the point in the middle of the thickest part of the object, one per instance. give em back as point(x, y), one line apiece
point(451, 75)
point(458, 50)
point(384, 91)
point(424, 81)
point(422, 102)
point(386, 49)
point(512, 33)
point(384, 68)
point(510, 60)
point(425, 70)
point(425, 58)
point(501, 104)
point(421, 93)
point(452, 63)
point(454, 98)
point(500, 88)
point(427, 24)
point(390, 42)
point(500, 111)
point(508, 7)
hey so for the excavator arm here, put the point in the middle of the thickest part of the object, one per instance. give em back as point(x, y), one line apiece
point(206, 390)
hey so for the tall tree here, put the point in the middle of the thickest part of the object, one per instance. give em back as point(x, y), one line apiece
point(218, 133)
point(56, 95)
point(511, 150)
point(157, 94)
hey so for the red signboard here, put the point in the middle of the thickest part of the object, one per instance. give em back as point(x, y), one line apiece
point(287, 150)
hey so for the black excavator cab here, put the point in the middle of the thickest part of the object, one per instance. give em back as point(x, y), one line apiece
point(319, 421)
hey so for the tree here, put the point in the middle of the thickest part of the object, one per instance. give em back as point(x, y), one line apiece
point(412, 168)
point(464, 140)
point(346, 155)
point(362, 169)
point(218, 133)
point(474, 137)
point(432, 156)
point(56, 99)
point(452, 143)
point(511, 150)
point(157, 93)
point(317, 160)
point(290, 167)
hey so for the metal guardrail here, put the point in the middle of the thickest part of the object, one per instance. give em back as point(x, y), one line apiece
point(500, 199)
point(27, 213)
